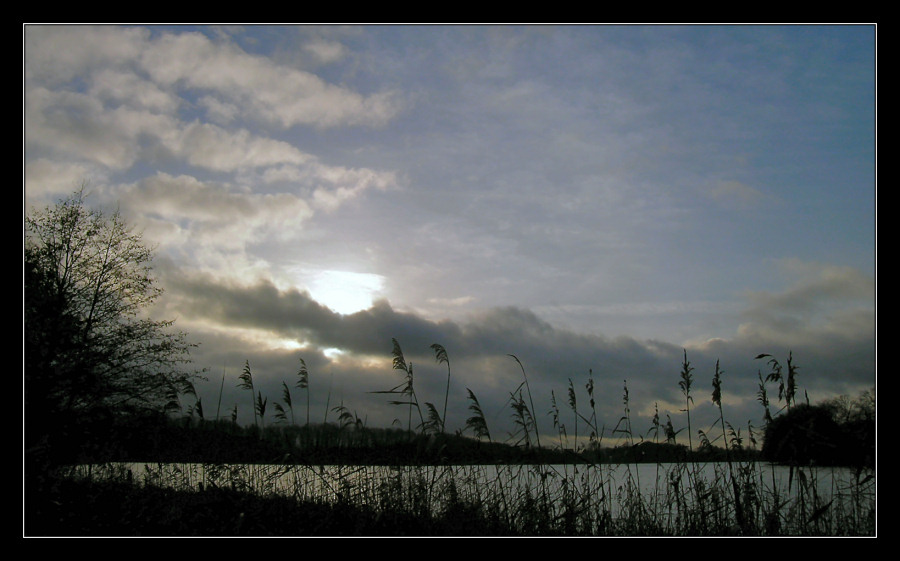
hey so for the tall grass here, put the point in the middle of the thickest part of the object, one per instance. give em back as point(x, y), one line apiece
point(406, 389)
point(578, 495)
point(303, 384)
point(441, 356)
point(522, 409)
point(246, 383)
point(477, 422)
point(599, 500)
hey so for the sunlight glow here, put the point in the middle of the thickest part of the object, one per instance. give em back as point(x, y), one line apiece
point(345, 292)
point(333, 354)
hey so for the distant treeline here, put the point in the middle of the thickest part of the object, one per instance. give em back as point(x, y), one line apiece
point(838, 432)
point(160, 438)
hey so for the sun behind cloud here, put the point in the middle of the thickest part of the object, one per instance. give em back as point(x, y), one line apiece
point(345, 292)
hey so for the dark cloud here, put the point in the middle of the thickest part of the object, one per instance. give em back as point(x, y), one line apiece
point(479, 352)
point(294, 314)
point(542, 177)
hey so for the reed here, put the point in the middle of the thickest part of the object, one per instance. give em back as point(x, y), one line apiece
point(477, 422)
point(537, 432)
point(280, 413)
point(405, 389)
point(576, 494)
point(441, 356)
point(246, 383)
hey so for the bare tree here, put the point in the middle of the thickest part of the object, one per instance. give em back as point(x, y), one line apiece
point(89, 342)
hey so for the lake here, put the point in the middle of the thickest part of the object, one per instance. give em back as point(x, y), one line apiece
point(671, 492)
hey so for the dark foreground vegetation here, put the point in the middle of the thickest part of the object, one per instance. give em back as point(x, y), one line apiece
point(149, 499)
point(153, 474)
point(105, 389)
point(85, 508)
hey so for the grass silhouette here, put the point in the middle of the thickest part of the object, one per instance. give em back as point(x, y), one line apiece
point(216, 478)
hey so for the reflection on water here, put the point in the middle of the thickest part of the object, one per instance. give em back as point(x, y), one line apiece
point(667, 490)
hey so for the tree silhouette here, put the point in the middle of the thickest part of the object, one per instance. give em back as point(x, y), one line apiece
point(90, 348)
point(805, 434)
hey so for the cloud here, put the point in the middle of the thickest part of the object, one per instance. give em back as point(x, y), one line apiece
point(329, 186)
point(80, 125)
point(211, 147)
point(824, 301)
point(118, 97)
point(837, 349)
point(77, 125)
point(211, 226)
point(47, 180)
point(292, 313)
point(118, 87)
point(551, 173)
point(219, 111)
point(324, 51)
point(56, 54)
point(262, 89)
point(480, 346)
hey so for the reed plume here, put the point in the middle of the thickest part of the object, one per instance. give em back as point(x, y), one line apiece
point(246, 383)
point(440, 355)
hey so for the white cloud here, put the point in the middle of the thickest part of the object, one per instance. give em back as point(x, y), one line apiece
point(349, 183)
point(219, 111)
point(118, 96)
point(55, 54)
point(324, 51)
point(76, 125)
point(274, 93)
point(330, 186)
point(209, 221)
point(126, 87)
point(48, 180)
point(452, 302)
point(212, 147)
point(130, 85)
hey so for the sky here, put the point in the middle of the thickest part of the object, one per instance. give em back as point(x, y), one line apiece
point(600, 201)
